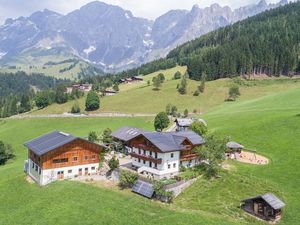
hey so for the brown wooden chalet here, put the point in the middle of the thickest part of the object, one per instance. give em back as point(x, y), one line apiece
point(160, 154)
point(59, 155)
point(266, 207)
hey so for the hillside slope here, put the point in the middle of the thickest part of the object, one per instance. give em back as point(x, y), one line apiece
point(264, 44)
point(270, 124)
point(141, 98)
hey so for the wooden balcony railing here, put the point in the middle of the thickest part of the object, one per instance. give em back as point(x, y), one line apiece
point(188, 157)
point(146, 158)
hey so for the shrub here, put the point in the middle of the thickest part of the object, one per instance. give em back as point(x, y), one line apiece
point(196, 93)
point(161, 193)
point(174, 111)
point(127, 179)
point(177, 76)
point(92, 101)
point(161, 121)
point(93, 137)
point(169, 109)
point(75, 108)
point(156, 83)
point(6, 153)
point(234, 92)
point(161, 77)
point(113, 163)
point(199, 128)
point(186, 113)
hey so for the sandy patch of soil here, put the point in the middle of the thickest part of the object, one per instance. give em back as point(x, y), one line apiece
point(252, 158)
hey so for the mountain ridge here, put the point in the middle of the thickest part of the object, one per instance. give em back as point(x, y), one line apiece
point(110, 37)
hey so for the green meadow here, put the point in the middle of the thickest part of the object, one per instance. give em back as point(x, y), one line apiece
point(268, 121)
point(141, 98)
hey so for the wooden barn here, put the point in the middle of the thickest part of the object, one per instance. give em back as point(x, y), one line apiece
point(267, 207)
point(58, 156)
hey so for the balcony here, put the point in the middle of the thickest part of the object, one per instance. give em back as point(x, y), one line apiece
point(146, 147)
point(188, 157)
point(146, 158)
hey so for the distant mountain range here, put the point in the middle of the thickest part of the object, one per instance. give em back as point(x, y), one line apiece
point(109, 36)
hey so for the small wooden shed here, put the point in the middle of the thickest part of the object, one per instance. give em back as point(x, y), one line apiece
point(267, 207)
point(234, 147)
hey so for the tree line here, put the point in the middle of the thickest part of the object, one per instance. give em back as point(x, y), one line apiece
point(264, 44)
point(18, 91)
point(267, 43)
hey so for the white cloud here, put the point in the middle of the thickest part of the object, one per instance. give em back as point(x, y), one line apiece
point(142, 8)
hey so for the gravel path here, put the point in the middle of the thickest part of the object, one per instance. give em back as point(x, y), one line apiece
point(69, 115)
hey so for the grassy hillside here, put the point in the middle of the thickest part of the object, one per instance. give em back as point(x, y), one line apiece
point(62, 69)
point(269, 124)
point(71, 202)
point(141, 98)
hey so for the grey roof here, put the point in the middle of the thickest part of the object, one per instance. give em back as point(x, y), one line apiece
point(194, 138)
point(172, 141)
point(49, 142)
point(271, 199)
point(127, 133)
point(234, 145)
point(166, 142)
point(184, 122)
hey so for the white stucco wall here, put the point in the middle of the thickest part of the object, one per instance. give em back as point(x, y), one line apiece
point(48, 176)
point(163, 168)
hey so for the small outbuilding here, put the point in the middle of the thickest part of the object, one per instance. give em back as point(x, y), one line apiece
point(234, 147)
point(267, 207)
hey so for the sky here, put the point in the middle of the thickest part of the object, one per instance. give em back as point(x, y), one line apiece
point(150, 9)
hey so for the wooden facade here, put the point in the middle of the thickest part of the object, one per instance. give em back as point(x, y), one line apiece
point(141, 142)
point(262, 209)
point(77, 152)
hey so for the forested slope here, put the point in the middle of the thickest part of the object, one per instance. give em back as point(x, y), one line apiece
point(268, 43)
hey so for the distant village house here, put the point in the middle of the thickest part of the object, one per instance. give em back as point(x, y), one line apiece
point(133, 79)
point(80, 87)
point(183, 124)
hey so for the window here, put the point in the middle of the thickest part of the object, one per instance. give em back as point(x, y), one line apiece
point(75, 159)
point(93, 168)
point(150, 153)
point(174, 165)
point(86, 157)
point(93, 156)
point(144, 152)
point(86, 169)
point(139, 160)
point(156, 155)
point(32, 165)
point(40, 171)
point(150, 164)
point(144, 161)
point(36, 167)
point(169, 166)
point(139, 151)
point(64, 160)
point(155, 165)
point(172, 155)
point(69, 171)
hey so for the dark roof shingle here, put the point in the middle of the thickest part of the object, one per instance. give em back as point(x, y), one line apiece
point(127, 133)
point(49, 142)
